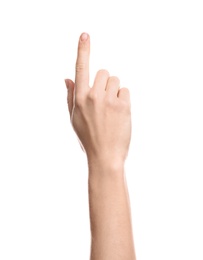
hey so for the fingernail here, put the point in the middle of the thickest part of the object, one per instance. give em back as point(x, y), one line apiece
point(84, 37)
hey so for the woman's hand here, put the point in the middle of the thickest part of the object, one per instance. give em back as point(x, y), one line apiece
point(101, 115)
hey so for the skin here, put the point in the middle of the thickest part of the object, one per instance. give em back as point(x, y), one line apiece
point(101, 118)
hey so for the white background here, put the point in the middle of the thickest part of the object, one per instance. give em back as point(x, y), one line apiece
point(155, 48)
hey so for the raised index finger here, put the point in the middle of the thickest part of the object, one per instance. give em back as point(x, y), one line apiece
point(82, 63)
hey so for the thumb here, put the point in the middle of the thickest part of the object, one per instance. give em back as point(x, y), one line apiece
point(70, 87)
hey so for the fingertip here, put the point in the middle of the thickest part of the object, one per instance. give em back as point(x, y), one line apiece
point(67, 83)
point(124, 93)
point(82, 62)
point(84, 36)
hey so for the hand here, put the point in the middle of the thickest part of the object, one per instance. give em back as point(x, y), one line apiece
point(101, 115)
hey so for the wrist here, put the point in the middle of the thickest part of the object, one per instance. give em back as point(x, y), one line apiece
point(101, 170)
point(103, 163)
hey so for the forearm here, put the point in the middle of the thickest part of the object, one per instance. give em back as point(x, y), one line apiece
point(110, 217)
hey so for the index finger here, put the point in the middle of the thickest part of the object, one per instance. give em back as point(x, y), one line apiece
point(82, 63)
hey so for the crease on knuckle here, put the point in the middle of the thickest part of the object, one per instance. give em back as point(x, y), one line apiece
point(79, 67)
point(92, 96)
point(79, 102)
point(103, 71)
point(125, 106)
point(115, 79)
point(110, 102)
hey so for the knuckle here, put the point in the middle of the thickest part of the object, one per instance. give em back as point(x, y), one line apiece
point(115, 79)
point(92, 96)
point(103, 72)
point(124, 94)
point(79, 101)
point(125, 106)
point(110, 102)
point(126, 90)
point(79, 67)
